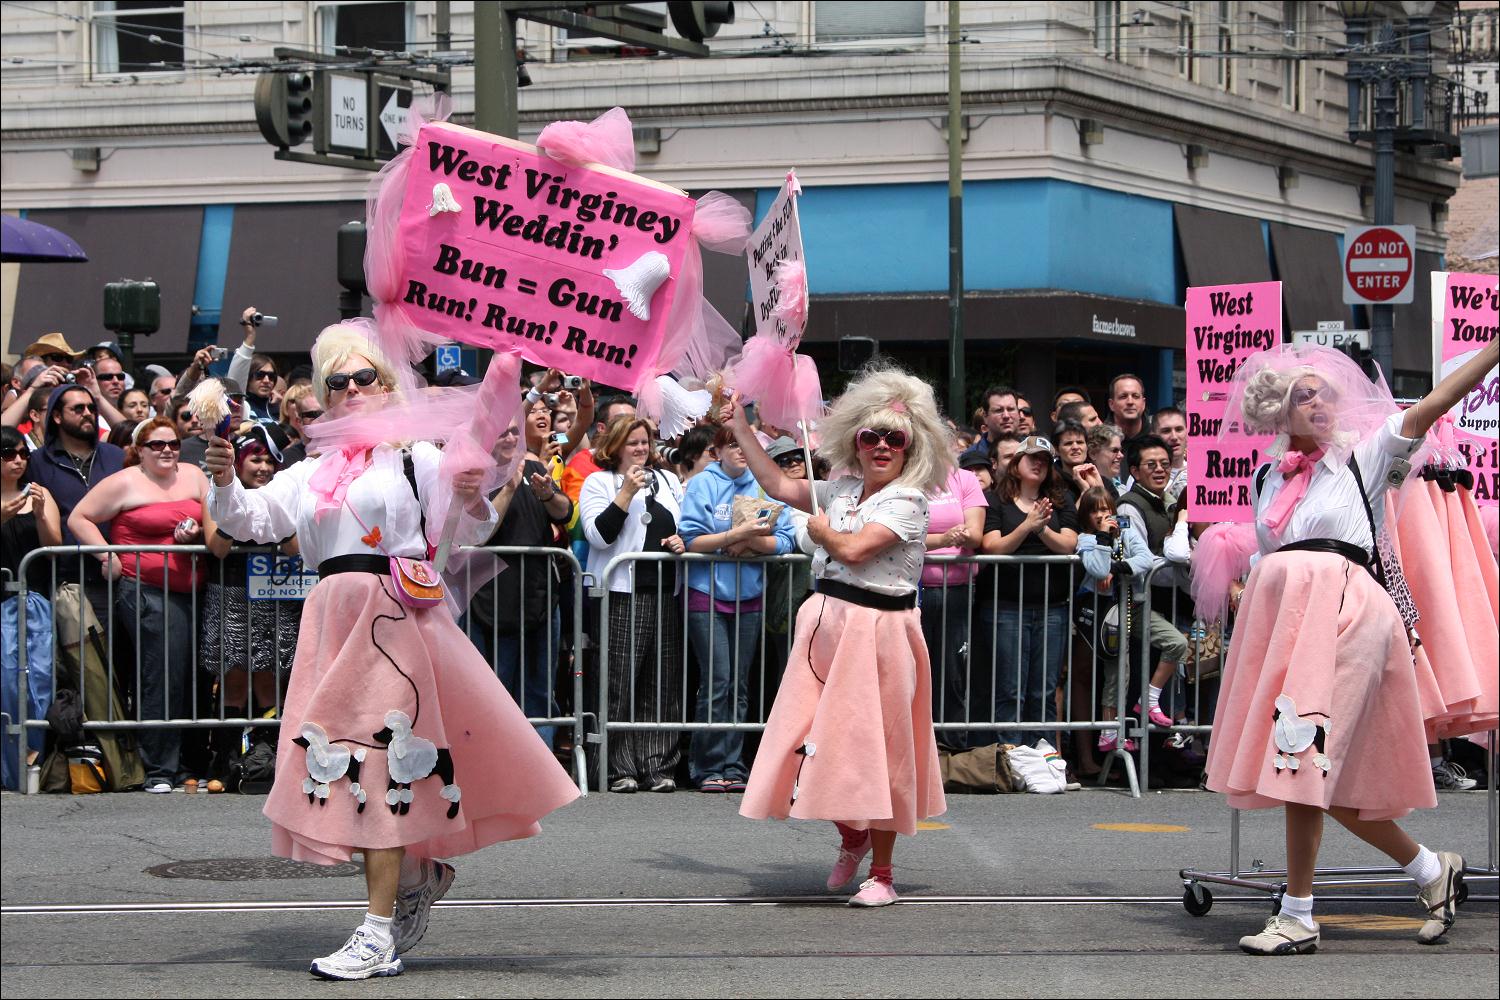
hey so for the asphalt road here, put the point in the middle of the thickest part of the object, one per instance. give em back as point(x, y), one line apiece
point(641, 896)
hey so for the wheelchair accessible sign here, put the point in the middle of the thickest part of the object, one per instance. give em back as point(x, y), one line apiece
point(278, 578)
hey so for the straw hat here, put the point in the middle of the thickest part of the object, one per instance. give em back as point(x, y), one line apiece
point(49, 343)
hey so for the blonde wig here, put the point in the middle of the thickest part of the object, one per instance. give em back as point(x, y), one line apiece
point(1267, 404)
point(884, 397)
point(336, 345)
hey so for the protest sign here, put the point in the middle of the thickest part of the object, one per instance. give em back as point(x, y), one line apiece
point(1225, 325)
point(572, 267)
point(277, 578)
point(1470, 311)
point(777, 238)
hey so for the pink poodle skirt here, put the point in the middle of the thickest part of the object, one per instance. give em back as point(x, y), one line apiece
point(1319, 703)
point(850, 736)
point(396, 733)
point(1452, 577)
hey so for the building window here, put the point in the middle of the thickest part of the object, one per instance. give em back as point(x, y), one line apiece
point(1225, 35)
point(1187, 43)
point(1107, 28)
point(842, 21)
point(137, 36)
point(345, 26)
point(1293, 69)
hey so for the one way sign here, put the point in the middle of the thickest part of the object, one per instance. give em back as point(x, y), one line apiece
point(393, 98)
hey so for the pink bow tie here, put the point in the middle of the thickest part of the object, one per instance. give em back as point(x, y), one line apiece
point(1296, 472)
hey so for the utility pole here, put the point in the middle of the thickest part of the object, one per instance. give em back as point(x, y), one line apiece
point(495, 104)
point(956, 403)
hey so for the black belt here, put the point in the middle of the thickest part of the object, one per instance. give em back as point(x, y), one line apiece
point(357, 562)
point(1353, 553)
point(866, 598)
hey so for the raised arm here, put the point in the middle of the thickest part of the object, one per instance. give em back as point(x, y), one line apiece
point(776, 483)
point(1418, 420)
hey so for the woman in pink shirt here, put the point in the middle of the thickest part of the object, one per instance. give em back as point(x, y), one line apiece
point(955, 526)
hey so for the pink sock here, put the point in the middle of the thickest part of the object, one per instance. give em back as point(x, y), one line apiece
point(881, 873)
point(853, 839)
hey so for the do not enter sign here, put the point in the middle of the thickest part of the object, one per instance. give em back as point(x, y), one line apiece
point(1378, 264)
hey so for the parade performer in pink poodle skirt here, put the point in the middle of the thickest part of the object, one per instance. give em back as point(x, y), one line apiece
point(397, 739)
point(850, 736)
point(1320, 710)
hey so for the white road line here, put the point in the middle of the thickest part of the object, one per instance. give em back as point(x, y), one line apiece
point(281, 906)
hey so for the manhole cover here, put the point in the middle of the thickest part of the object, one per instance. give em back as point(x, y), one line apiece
point(251, 869)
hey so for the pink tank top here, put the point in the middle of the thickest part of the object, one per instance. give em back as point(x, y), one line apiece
point(153, 524)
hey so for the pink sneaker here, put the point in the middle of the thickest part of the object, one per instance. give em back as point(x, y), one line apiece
point(1158, 717)
point(874, 892)
point(847, 865)
point(1108, 739)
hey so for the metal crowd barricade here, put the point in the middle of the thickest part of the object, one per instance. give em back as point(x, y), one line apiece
point(1197, 899)
point(672, 710)
point(198, 678)
point(558, 646)
point(1190, 719)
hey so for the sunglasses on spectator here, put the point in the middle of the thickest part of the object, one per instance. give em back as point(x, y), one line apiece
point(790, 459)
point(110, 376)
point(1156, 465)
point(1025, 411)
point(7, 454)
point(264, 373)
point(511, 432)
point(162, 446)
point(339, 381)
point(869, 439)
point(161, 392)
point(311, 415)
point(56, 359)
point(83, 408)
point(185, 416)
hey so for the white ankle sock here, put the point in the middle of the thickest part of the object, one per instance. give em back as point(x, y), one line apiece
point(1424, 867)
point(1155, 696)
point(379, 927)
point(1299, 907)
point(413, 871)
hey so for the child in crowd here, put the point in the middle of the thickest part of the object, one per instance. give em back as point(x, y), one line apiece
point(1106, 552)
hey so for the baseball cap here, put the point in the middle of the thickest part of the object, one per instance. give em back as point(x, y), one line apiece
point(1035, 445)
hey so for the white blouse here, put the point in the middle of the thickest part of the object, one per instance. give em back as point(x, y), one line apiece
point(1332, 506)
point(381, 496)
point(897, 570)
point(595, 496)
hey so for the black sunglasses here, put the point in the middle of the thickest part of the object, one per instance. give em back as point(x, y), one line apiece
point(264, 373)
point(110, 376)
point(185, 416)
point(1025, 411)
point(339, 381)
point(308, 415)
point(6, 454)
point(161, 446)
point(83, 408)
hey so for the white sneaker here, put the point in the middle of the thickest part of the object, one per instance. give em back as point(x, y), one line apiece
point(413, 906)
point(1449, 777)
point(1440, 898)
point(1283, 935)
point(361, 957)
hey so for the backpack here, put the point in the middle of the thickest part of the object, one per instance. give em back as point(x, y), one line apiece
point(84, 668)
point(253, 772)
point(72, 765)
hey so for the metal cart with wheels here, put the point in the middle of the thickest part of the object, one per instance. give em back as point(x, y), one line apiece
point(1197, 899)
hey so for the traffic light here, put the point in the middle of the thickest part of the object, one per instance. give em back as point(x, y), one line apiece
point(697, 21)
point(284, 108)
point(132, 306)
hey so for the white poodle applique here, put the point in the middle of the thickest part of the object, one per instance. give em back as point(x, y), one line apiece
point(327, 762)
point(410, 758)
point(1294, 734)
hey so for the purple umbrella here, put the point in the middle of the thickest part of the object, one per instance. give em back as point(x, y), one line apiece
point(30, 242)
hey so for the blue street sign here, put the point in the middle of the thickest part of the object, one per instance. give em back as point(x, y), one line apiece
point(449, 357)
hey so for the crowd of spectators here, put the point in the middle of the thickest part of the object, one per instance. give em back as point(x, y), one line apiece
point(93, 454)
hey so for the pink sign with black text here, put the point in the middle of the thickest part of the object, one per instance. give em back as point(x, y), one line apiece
point(1471, 316)
point(1225, 325)
point(572, 267)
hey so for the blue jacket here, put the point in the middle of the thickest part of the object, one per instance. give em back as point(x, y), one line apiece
point(707, 509)
point(51, 467)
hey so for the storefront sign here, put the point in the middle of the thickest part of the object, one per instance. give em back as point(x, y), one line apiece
point(1225, 325)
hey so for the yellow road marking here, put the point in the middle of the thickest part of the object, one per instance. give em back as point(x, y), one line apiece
point(1141, 827)
point(929, 825)
point(1369, 922)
